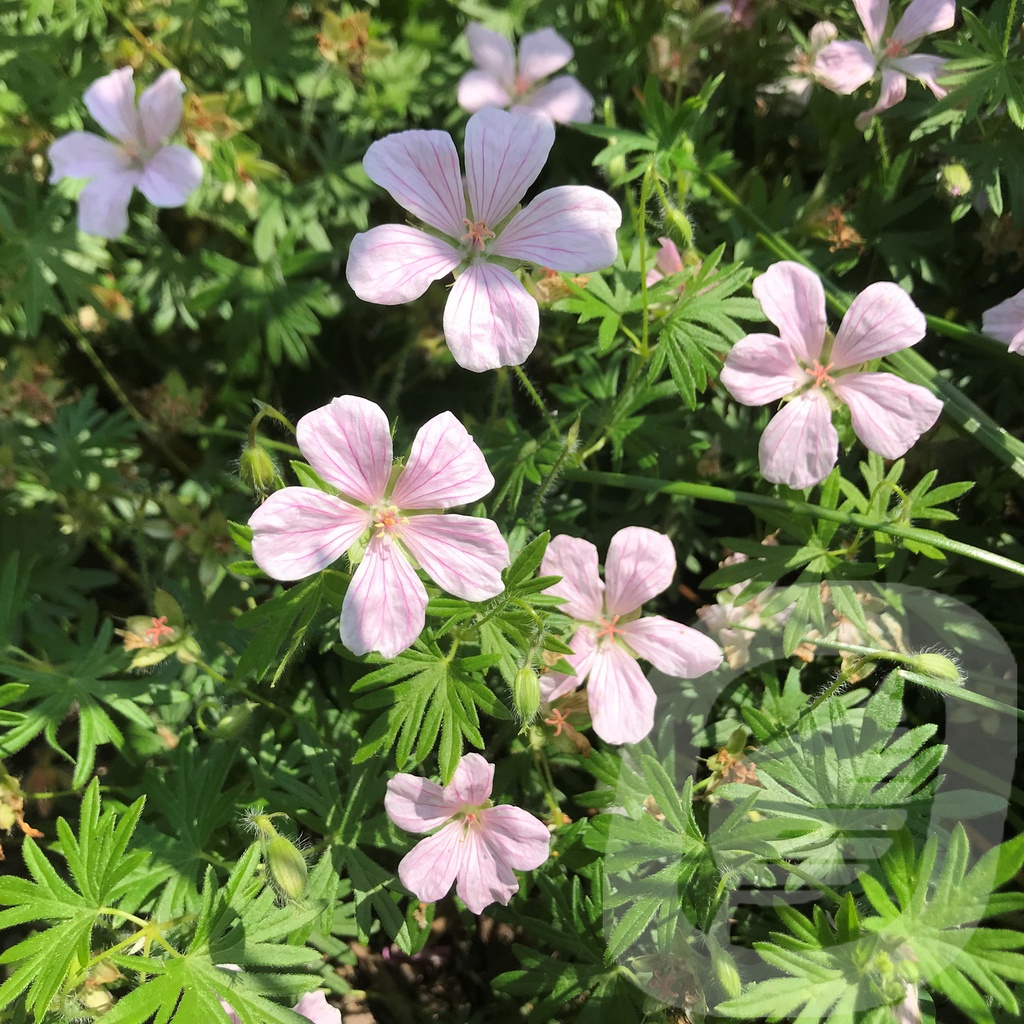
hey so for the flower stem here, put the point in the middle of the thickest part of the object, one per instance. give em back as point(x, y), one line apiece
point(883, 148)
point(149, 47)
point(645, 193)
point(1008, 31)
point(537, 400)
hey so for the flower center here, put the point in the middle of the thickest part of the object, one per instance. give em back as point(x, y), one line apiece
point(388, 519)
point(521, 86)
point(477, 234)
point(895, 48)
point(609, 629)
point(820, 373)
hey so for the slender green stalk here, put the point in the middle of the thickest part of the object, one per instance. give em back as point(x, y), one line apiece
point(645, 195)
point(537, 400)
point(1008, 31)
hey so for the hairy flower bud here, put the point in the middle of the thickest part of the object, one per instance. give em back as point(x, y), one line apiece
point(954, 181)
point(938, 666)
point(287, 868)
point(257, 469)
point(526, 694)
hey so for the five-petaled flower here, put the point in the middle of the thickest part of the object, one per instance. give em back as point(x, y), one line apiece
point(313, 1006)
point(1005, 322)
point(490, 320)
point(815, 372)
point(165, 175)
point(610, 634)
point(500, 81)
point(391, 515)
point(478, 844)
point(845, 66)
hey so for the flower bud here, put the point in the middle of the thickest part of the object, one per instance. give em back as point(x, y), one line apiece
point(938, 666)
point(725, 971)
point(257, 469)
point(234, 721)
point(526, 694)
point(954, 181)
point(287, 868)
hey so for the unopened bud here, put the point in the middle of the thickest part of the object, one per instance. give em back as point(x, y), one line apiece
point(725, 971)
point(257, 469)
point(526, 694)
point(954, 181)
point(234, 721)
point(287, 868)
point(938, 666)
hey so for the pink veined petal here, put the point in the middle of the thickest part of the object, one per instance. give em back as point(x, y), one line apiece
point(621, 699)
point(570, 228)
point(479, 89)
point(384, 608)
point(314, 1007)
point(793, 299)
point(444, 468)
point(430, 867)
point(820, 36)
point(463, 555)
point(103, 204)
point(472, 782)
point(298, 531)
point(84, 155)
point(111, 102)
point(671, 647)
point(844, 67)
point(483, 878)
point(922, 18)
point(504, 154)
point(171, 176)
point(396, 263)
point(492, 53)
point(160, 108)
point(881, 320)
point(925, 68)
point(640, 565)
point(490, 319)
point(541, 54)
point(800, 445)
point(421, 171)
point(515, 836)
point(576, 561)
point(669, 261)
point(1005, 322)
point(892, 91)
point(348, 442)
point(873, 16)
point(562, 99)
point(762, 368)
point(418, 805)
point(889, 414)
point(554, 685)
point(584, 651)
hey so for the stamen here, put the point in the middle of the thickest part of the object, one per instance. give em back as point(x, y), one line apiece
point(558, 720)
point(895, 48)
point(820, 373)
point(477, 234)
point(609, 629)
point(388, 519)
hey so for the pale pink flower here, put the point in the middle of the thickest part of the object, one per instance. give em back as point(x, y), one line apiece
point(814, 372)
point(844, 67)
point(1005, 322)
point(392, 515)
point(490, 319)
point(740, 13)
point(794, 89)
point(668, 262)
point(502, 82)
point(313, 1006)
point(478, 844)
point(165, 175)
point(610, 634)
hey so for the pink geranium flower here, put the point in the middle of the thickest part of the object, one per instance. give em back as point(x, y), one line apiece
point(668, 262)
point(1005, 322)
point(815, 372)
point(313, 1006)
point(165, 175)
point(478, 844)
point(845, 66)
point(490, 319)
point(794, 88)
point(499, 82)
point(610, 634)
point(389, 517)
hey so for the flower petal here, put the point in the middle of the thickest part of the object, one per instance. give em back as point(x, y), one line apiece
point(111, 102)
point(922, 18)
point(429, 868)
point(492, 53)
point(675, 649)
point(160, 108)
point(483, 878)
point(669, 261)
point(515, 836)
point(793, 299)
point(881, 320)
point(873, 16)
point(925, 68)
point(463, 555)
point(891, 92)
point(349, 444)
point(479, 89)
point(541, 54)
point(384, 608)
point(1005, 322)
point(421, 171)
point(103, 204)
point(800, 445)
point(562, 99)
point(504, 154)
point(315, 1008)
point(444, 468)
point(640, 564)
point(575, 560)
point(418, 805)
point(889, 414)
point(84, 155)
point(584, 650)
point(490, 319)
point(472, 782)
point(570, 228)
point(171, 176)
point(762, 368)
point(621, 699)
point(298, 531)
point(844, 67)
point(396, 263)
